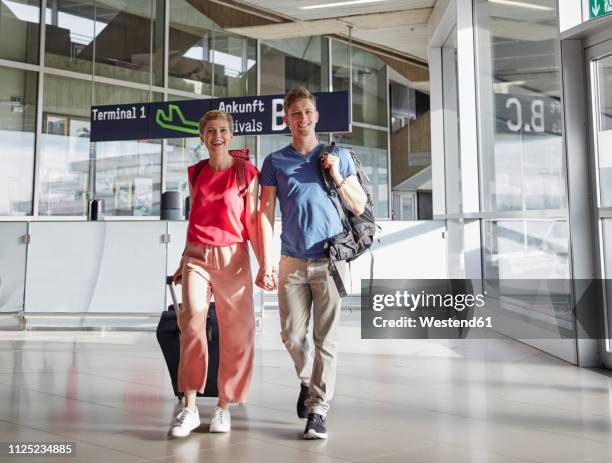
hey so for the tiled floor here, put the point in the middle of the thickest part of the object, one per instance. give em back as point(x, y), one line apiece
point(397, 401)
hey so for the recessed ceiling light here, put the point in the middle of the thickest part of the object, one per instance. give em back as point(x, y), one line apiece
point(522, 5)
point(331, 5)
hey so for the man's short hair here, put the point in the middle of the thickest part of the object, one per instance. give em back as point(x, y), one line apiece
point(295, 94)
point(215, 114)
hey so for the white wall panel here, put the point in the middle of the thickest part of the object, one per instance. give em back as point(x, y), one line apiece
point(12, 265)
point(120, 267)
point(96, 267)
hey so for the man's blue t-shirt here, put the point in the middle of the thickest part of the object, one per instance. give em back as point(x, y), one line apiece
point(309, 216)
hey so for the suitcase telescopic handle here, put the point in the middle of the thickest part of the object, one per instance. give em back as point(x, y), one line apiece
point(170, 284)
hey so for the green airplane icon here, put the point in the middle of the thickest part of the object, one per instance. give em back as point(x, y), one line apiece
point(167, 121)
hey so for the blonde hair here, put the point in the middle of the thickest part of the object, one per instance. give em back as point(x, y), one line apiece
point(215, 114)
point(295, 94)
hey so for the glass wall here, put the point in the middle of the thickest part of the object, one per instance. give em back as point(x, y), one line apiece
point(69, 35)
point(604, 129)
point(289, 63)
point(525, 238)
point(122, 43)
point(235, 60)
point(370, 108)
point(64, 146)
point(202, 55)
point(528, 274)
point(17, 123)
point(127, 38)
point(521, 153)
point(519, 88)
point(127, 174)
point(526, 249)
point(369, 82)
point(19, 30)
point(190, 48)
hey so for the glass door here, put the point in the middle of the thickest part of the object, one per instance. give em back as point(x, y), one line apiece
point(600, 70)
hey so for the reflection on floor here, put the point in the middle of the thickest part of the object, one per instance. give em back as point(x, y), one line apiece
point(397, 401)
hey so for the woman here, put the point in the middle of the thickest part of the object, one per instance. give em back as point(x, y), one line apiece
point(216, 259)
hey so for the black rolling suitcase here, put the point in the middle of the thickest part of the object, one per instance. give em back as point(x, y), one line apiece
point(168, 336)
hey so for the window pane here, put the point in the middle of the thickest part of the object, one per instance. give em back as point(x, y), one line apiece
point(526, 270)
point(180, 153)
point(19, 25)
point(69, 35)
point(519, 86)
point(127, 174)
point(603, 137)
point(606, 229)
point(535, 249)
point(288, 63)
point(17, 123)
point(64, 149)
point(235, 61)
point(369, 82)
point(190, 45)
point(371, 148)
point(129, 40)
point(122, 33)
point(604, 80)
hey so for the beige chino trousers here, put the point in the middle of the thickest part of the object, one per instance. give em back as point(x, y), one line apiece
point(305, 287)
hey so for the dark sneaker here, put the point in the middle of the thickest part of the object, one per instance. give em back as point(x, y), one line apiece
point(302, 411)
point(315, 427)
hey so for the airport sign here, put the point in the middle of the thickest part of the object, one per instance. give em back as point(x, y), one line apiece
point(599, 8)
point(253, 115)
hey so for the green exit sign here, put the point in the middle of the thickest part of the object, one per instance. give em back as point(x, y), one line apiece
point(599, 8)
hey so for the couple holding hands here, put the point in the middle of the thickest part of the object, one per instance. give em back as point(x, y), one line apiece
point(223, 217)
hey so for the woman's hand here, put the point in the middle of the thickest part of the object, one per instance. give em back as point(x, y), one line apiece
point(177, 278)
point(267, 279)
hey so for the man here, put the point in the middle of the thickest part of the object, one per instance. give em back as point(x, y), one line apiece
point(309, 219)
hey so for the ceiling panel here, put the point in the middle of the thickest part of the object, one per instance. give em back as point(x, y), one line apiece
point(291, 29)
point(399, 25)
point(293, 8)
point(376, 21)
point(411, 40)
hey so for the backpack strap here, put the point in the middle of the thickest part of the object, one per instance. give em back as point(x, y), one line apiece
point(241, 157)
point(330, 186)
point(241, 176)
point(196, 172)
point(328, 182)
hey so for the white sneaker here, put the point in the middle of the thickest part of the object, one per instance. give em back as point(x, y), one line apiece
point(186, 421)
point(220, 421)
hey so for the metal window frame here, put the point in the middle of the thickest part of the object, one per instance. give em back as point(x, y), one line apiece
point(39, 112)
point(590, 49)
